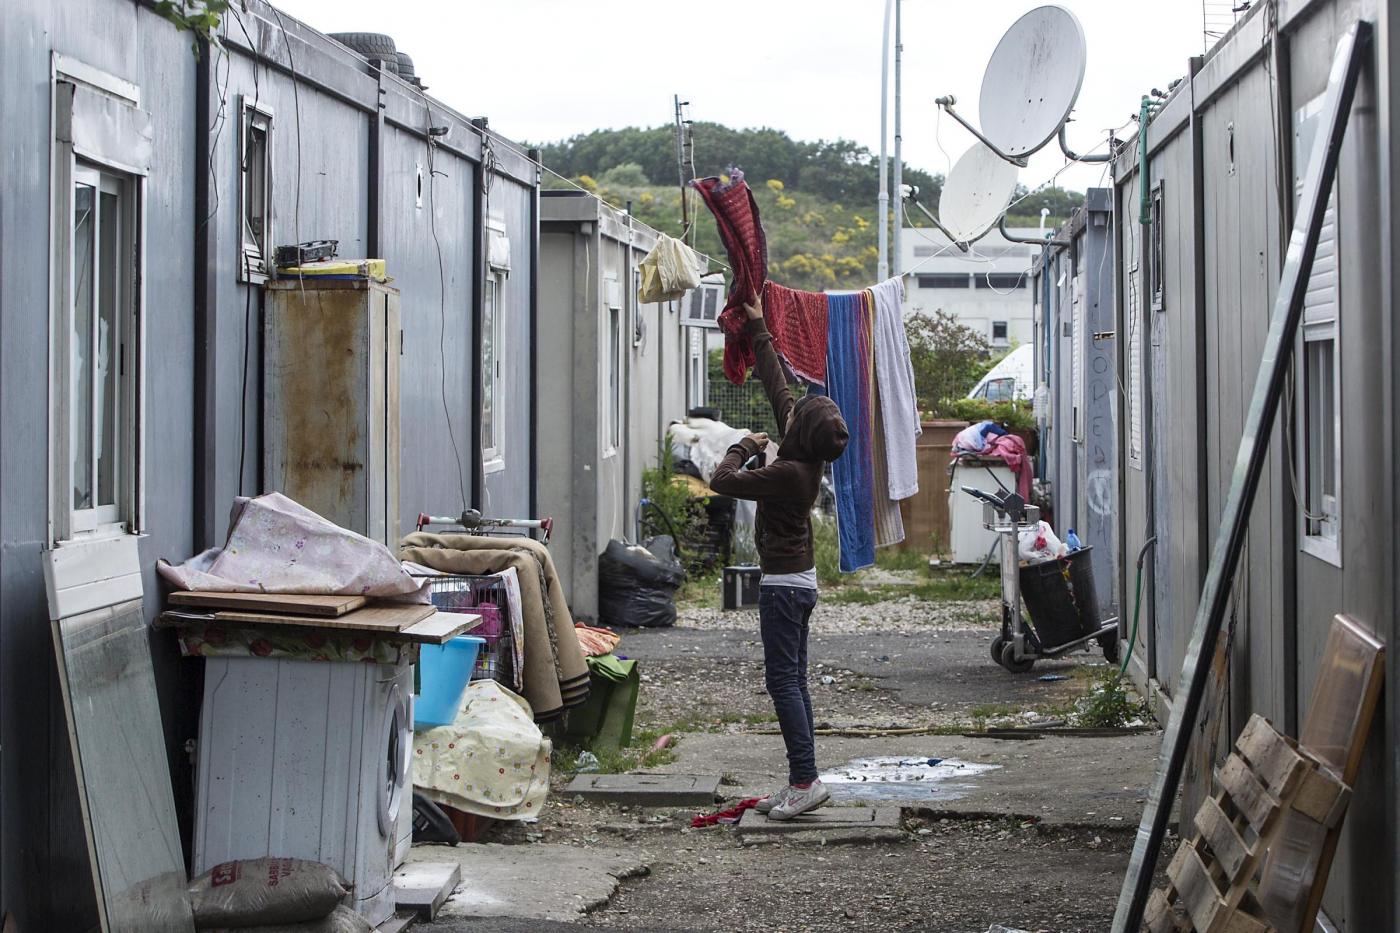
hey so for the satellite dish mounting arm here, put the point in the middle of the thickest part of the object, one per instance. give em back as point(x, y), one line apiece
point(947, 104)
point(1076, 157)
point(960, 244)
point(1016, 237)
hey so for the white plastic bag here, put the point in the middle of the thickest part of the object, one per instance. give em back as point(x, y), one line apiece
point(261, 892)
point(669, 271)
point(1039, 543)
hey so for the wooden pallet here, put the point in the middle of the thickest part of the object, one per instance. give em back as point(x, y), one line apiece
point(1211, 880)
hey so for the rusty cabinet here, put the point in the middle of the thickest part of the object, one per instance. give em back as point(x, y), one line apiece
point(331, 400)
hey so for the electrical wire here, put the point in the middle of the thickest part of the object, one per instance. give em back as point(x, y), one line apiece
point(442, 309)
point(296, 103)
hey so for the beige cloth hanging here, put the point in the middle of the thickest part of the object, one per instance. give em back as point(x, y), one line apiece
point(670, 270)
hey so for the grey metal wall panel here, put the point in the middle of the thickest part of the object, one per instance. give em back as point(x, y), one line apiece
point(557, 461)
point(1098, 467)
point(508, 492)
point(436, 313)
point(41, 837)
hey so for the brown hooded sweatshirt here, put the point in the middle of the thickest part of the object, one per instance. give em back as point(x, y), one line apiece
point(787, 488)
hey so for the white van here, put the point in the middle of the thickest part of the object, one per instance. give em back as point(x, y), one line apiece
point(1011, 379)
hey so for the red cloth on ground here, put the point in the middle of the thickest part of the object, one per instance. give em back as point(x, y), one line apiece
point(1012, 451)
point(797, 321)
point(724, 816)
point(736, 217)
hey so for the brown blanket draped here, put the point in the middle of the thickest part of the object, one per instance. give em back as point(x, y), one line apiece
point(555, 674)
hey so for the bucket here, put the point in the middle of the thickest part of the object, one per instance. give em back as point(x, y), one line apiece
point(444, 672)
point(1060, 598)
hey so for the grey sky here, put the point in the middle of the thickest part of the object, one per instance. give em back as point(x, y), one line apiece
point(542, 70)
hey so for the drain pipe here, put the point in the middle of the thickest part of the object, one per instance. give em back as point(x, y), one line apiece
point(1137, 602)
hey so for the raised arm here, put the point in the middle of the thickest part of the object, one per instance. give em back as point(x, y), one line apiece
point(768, 368)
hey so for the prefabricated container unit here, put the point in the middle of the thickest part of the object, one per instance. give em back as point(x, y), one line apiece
point(616, 373)
point(1076, 362)
point(1195, 287)
point(201, 166)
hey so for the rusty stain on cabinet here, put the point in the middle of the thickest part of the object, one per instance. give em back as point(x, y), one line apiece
point(331, 401)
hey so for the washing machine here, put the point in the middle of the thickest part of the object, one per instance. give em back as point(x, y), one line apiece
point(307, 759)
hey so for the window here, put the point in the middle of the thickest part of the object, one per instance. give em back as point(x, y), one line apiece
point(1156, 268)
point(696, 389)
point(998, 390)
point(1319, 441)
point(1002, 280)
point(701, 307)
point(999, 334)
point(492, 373)
point(943, 280)
point(639, 326)
point(1318, 413)
point(613, 417)
point(100, 149)
point(255, 193)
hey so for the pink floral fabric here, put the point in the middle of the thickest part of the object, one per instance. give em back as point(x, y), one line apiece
point(277, 546)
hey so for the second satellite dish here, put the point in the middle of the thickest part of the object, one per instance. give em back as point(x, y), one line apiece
point(975, 193)
point(1032, 80)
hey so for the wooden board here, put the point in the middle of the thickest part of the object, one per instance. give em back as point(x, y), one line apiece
point(1334, 731)
point(440, 627)
point(292, 603)
point(380, 618)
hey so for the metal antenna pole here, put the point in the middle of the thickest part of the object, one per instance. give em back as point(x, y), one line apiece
point(680, 166)
point(897, 254)
point(882, 212)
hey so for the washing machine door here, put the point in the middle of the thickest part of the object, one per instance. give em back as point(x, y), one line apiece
point(397, 738)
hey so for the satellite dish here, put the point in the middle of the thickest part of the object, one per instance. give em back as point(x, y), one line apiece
point(975, 194)
point(1032, 81)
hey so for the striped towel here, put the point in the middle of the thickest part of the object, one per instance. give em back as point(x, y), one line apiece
point(849, 372)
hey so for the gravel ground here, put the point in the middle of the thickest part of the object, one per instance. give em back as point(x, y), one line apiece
point(903, 661)
point(952, 875)
point(905, 614)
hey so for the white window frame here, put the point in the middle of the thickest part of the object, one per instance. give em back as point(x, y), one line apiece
point(493, 372)
point(254, 251)
point(613, 325)
point(1320, 537)
point(1005, 339)
point(1321, 323)
point(72, 164)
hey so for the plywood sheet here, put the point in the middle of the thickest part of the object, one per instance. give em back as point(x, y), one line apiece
point(293, 603)
point(391, 619)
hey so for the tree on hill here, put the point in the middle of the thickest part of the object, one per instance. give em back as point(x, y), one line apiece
point(839, 170)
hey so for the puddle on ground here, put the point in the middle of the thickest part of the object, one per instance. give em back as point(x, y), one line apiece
point(903, 778)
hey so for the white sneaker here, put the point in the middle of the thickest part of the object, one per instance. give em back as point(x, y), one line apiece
point(800, 800)
point(772, 800)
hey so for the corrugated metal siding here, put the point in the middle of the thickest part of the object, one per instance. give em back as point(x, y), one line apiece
point(328, 196)
point(1205, 358)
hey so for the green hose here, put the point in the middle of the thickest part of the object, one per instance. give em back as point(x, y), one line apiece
point(1137, 604)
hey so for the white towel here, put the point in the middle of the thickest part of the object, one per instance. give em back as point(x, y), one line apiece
point(894, 380)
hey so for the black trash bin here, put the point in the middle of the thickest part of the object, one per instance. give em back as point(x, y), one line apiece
point(1059, 597)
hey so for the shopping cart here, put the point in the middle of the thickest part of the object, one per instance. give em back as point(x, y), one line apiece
point(500, 659)
point(1063, 607)
point(474, 523)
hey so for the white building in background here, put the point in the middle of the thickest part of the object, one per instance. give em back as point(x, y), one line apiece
point(987, 288)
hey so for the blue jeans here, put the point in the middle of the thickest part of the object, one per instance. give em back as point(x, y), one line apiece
point(783, 616)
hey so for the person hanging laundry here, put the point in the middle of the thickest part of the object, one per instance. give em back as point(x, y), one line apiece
point(786, 489)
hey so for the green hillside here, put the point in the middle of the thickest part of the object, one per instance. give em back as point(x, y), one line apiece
point(817, 200)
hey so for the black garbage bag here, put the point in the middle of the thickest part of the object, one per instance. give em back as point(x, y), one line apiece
point(637, 585)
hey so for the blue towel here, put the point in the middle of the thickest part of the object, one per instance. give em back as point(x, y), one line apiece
point(849, 384)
